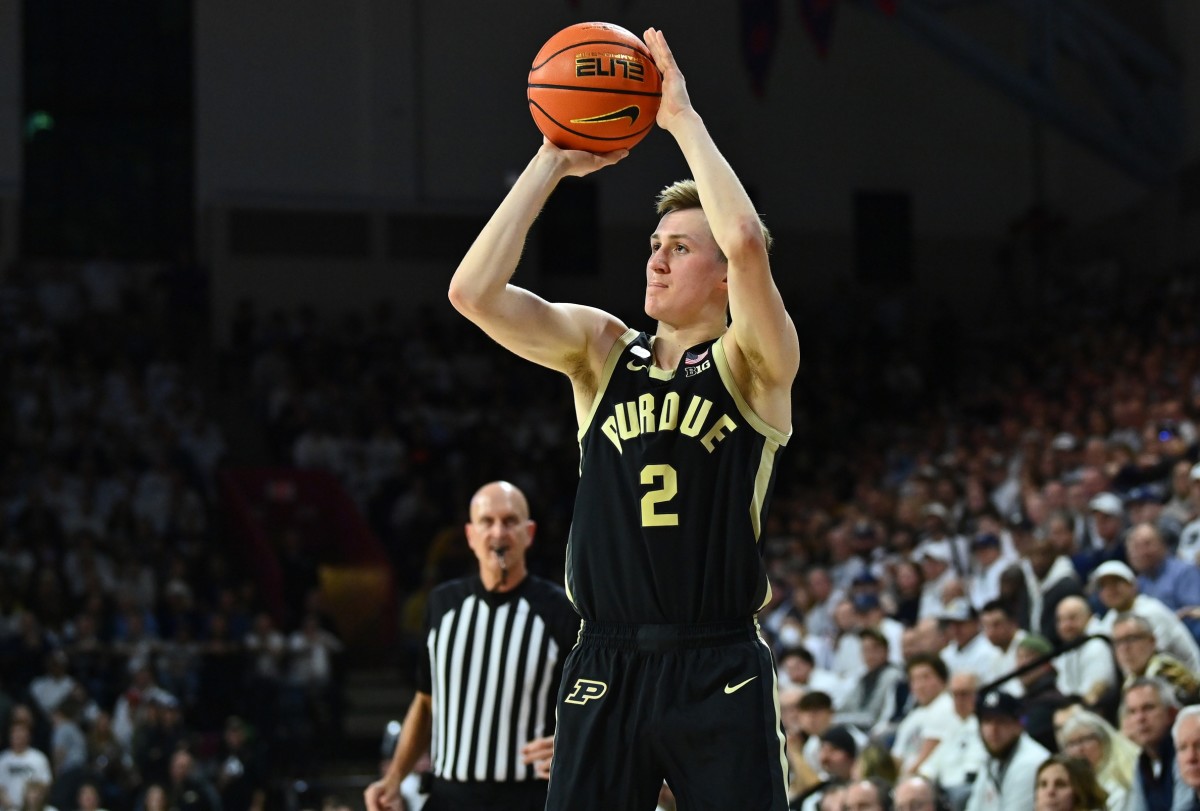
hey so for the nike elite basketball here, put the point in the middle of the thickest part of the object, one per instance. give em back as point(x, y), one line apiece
point(594, 86)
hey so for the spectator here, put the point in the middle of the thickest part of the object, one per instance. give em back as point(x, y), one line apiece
point(988, 561)
point(19, 764)
point(916, 793)
point(798, 668)
point(240, 777)
point(1067, 784)
point(959, 759)
point(1188, 549)
point(88, 798)
point(1051, 578)
point(935, 558)
point(1007, 779)
point(1087, 669)
point(867, 795)
point(68, 746)
point(1138, 657)
point(838, 750)
point(37, 797)
point(969, 650)
point(1186, 734)
point(864, 705)
point(1160, 574)
point(1001, 630)
point(54, 685)
point(931, 721)
point(1041, 697)
point(1106, 542)
point(1111, 755)
point(815, 719)
point(1117, 588)
point(801, 774)
point(1148, 710)
point(186, 789)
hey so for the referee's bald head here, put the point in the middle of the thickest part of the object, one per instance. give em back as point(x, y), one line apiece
point(501, 492)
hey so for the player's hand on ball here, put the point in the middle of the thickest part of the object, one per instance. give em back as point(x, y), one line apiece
point(580, 163)
point(675, 99)
point(539, 752)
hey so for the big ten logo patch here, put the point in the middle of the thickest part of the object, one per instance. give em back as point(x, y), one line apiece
point(586, 690)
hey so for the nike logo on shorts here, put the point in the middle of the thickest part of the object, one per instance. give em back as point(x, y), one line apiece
point(733, 688)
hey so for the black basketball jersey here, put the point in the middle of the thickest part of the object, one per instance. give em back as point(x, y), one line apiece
point(676, 473)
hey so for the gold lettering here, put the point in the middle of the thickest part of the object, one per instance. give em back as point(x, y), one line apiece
point(646, 412)
point(609, 427)
point(670, 412)
point(717, 432)
point(696, 414)
point(586, 690)
point(627, 420)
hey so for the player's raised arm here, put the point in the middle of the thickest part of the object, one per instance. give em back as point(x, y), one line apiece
point(763, 334)
point(552, 335)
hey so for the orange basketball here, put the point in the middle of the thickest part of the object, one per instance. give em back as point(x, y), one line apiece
point(594, 86)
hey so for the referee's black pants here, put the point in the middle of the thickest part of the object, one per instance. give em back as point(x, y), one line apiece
point(449, 795)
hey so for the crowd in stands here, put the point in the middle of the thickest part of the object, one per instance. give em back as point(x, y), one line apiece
point(137, 669)
point(938, 524)
point(944, 517)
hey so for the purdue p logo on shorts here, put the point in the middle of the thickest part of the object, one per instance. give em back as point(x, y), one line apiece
point(585, 690)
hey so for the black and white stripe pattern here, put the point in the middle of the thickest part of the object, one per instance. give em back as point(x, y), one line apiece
point(494, 668)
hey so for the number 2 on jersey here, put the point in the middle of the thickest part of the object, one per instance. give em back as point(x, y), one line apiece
point(666, 485)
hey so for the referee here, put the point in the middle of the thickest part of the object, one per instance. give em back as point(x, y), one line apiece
point(487, 686)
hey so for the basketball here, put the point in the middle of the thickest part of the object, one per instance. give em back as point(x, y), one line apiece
point(595, 87)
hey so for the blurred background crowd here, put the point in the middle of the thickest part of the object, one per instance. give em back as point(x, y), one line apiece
point(924, 486)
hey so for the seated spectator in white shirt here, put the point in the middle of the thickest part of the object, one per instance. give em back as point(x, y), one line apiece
point(988, 561)
point(932, 718)
point(1002, 631)
point(957, 761)
point(969, 650)
point(797, 668)
point(1116, 586)
point(935, 559)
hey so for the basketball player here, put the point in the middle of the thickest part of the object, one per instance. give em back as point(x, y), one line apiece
point(679, 434)
point(484, 705)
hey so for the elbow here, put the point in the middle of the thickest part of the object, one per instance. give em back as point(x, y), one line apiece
point(748, 239)
point(462, 298)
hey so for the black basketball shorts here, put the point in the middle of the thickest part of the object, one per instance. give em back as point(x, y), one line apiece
point(696, 705)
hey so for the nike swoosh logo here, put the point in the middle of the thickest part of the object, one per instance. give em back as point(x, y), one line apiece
point(631, 112)
point(733, 688)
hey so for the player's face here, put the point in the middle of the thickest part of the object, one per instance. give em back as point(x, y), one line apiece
point(499, 528)
point(685, 271)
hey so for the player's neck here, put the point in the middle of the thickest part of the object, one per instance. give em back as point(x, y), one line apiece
point(670, 341)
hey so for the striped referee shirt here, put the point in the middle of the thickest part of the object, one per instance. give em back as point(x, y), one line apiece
point(493, 666)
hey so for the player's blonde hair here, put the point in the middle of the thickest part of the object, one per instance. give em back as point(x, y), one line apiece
point(683, 194)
